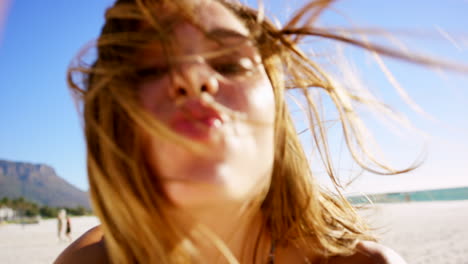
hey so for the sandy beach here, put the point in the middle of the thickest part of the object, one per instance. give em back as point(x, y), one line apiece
point(37, 243)
point(422, 232)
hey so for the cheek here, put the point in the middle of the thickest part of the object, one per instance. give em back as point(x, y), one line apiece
point(163, 157)
point(253, 97)
point(262, 103)
point(154, 98)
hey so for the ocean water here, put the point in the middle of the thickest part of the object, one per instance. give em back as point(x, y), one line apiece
point(449, 194)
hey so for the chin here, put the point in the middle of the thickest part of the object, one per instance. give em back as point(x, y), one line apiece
point(198, 194)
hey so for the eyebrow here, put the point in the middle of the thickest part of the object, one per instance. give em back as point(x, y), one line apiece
point(220, 33)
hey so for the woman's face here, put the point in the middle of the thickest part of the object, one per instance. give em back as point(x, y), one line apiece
point(240, 146)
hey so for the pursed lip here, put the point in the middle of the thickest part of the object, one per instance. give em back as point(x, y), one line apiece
point(196, 120)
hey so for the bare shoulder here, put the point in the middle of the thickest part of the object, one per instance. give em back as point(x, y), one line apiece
point(89, 248)
point(371, 253)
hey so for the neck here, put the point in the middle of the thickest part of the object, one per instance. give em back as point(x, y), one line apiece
point(226, 231)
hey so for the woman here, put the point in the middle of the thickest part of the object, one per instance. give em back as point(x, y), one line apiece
point(192, 153)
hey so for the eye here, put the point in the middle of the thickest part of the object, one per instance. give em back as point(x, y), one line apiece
point(154, 72)
point(229, 68)
point(233, 66)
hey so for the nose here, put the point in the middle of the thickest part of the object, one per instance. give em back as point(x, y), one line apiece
point(193, 79)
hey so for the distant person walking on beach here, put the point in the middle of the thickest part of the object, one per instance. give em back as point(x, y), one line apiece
point(61, 216)
point(68, 229)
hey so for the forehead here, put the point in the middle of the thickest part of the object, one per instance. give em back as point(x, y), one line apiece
point(219, 28)
point(209, 14)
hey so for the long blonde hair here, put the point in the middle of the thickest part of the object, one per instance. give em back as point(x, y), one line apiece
point(127, 198)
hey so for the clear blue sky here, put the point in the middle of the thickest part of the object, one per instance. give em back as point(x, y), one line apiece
point(39, 123)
